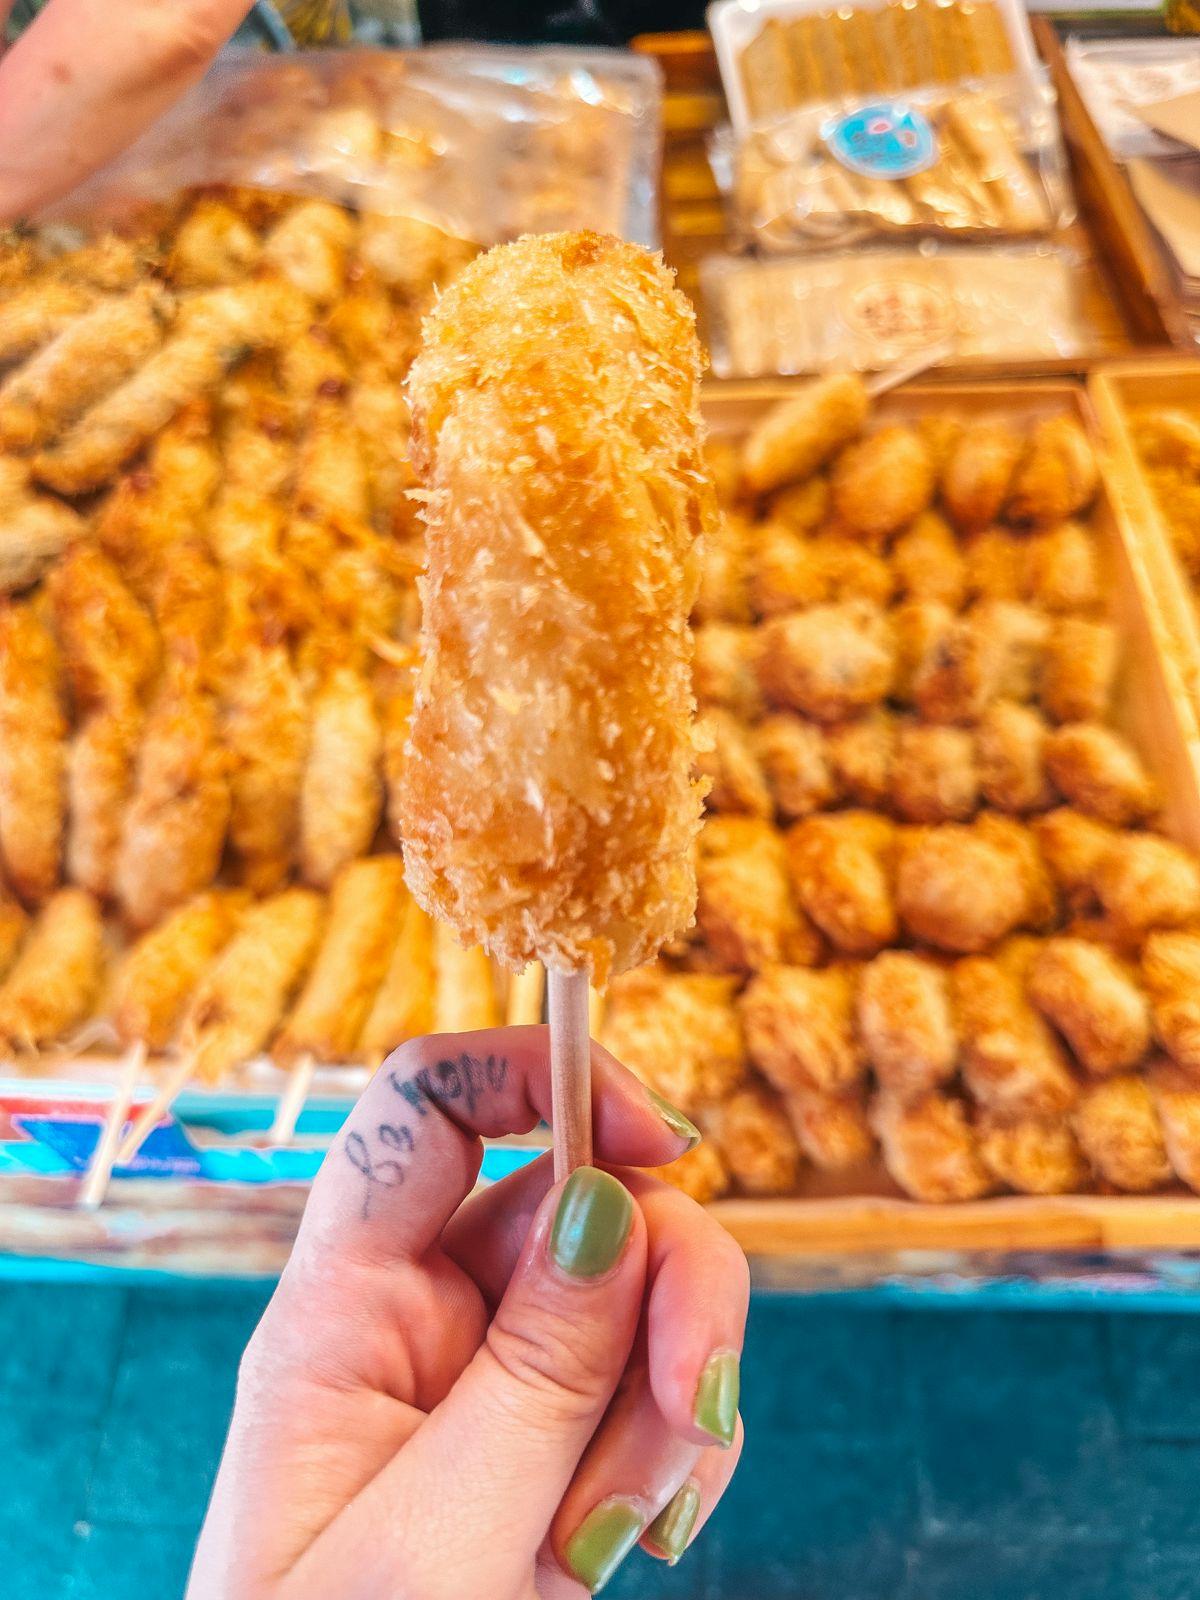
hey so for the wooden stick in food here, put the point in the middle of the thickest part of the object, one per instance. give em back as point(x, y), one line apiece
point(550, 810)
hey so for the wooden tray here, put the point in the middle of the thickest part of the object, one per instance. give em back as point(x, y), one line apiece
point(868, 1213)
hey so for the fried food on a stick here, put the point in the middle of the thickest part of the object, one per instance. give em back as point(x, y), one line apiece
point(174, 830)
point(724, 593)
point(1010, 747)
point(1073, 845)
point(701, 1173)
point(155, 978)
point(556, 428)
point(831, 1129)
point(786, 571)
point(1171, 973)
point(35, 314)
point(1118, 1128)
point(1079, 669)
point(993, 560)
point(928, 564)
point(725, 669)
point(957, 890)
point(1011, 1061)
point(794, 758)
point(841, 870)
point(100, 767)
point(799, 435)
point(1099, 772)
point(310, 247)
point(679, 1033)
point(906, 1024)
point(34, 528)
point(727, 758)
point(744, 906)
point(861, 752)
point(829, 662)
point(109, 643)
point(1057, 476)
point(1177, 1101)
point(58, 973)
point(1062, 569)
point(929, 1147)
point(350, 964)
point(1033, 1155)
point(32, 752)
point(934, 776)
point(756, 1140)
point(341, 797)
point(800, 1028)
point(979, 472)
point(1145, 882)
point(403, 1004)
point(1092, 1001)
point(883, 482)
point(244, 994)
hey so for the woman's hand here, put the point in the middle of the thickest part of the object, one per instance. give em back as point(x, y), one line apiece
point(495, 1396)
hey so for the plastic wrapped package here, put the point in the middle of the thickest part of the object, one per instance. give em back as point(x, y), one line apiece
point(1116, 76)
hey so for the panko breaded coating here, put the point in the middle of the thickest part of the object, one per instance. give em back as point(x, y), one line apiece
point(804, 507)
point(1016, 635)
point(906, 1023)
point(883, 482)
point(1093, 1002)
point(1057, 476)
point(464, 988)
point(243, 995)
point(745, 909)
point(993, 564)
point(310, 246)
point(566, 496)
point(724, 592)
point(1171, 974)
point(979, 472)
point(1027, 865)
point(934, 775)
point(680, 1033)
point(959, 674)
point(32, 315)
point(861, 753)
point(786, 571)
point(403, 1004)
point(1145, 882)
point(1100, 773)
point(101, 760)
point(832, 1130)
point(341, 794)
point(1012, 1063)
point(957, 890)
point(794, 758)
point(927, 562)
point(728, 759)
point(841, 871)
point(156, 976)
point(852, 571)
point(1079, 670)
point(929, 1147)
point(1073, 845)
point(800, 1028)
point(212, 245)
point(34, 528)
point(800, 434)
point(701, 1173)
point(756, 1140)
point(32, 752)
point(1033, 1155)
point(366, 899)
point(1062, 569)
point(1119, 1131)
point(58, 974)
point(829, 662)
point(188, 602)
point(109, 643)
point(1010, 749)
point(1177, 1101)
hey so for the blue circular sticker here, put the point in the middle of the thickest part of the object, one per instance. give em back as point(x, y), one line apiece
point(885, 140)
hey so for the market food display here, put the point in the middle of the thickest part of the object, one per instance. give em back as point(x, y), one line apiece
point(1167, 441)
point(938, 924)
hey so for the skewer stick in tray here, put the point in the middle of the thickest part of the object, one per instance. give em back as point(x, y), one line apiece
point(549, 810)
point(95, 1183)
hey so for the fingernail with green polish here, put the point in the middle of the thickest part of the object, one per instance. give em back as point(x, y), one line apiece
point(602, 1541)
point(675, 1119)
point(672, 1527)
point(592, 1223)
point(717, 1397)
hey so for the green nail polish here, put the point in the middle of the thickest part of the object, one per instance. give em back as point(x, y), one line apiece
point(675, 1119)
point(592, 1223)
point(672, 1527)
point(717, 1397)
point(602, 1541)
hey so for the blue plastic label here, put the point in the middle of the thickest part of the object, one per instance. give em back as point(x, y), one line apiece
point(888, 139)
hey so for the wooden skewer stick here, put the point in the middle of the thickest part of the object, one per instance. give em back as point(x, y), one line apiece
point(150, 1113)
point(291, 1101)
point(570, 1072)
point(893, 377)
point(526, 991)
point(95, 1184)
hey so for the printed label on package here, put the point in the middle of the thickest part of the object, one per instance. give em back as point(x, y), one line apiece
point(885, 140)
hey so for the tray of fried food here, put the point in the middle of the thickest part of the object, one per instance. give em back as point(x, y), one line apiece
point(949, 899)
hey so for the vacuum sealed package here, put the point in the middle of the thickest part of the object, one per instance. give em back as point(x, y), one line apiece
point(871, 310)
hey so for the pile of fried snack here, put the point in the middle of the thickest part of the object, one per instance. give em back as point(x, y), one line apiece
point(207, 566)
point(936, 920)
point(1167, 440)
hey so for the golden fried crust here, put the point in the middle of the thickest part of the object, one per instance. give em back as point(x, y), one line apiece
point(882, 483)
point(906, 1024)
point(1057, 476)
point(756, 1140)
point(723, 460)
point(1177, 1101)
point(14, 925)
point(403, 1004)
point(1033, 1155)
point(32, 736)
point(976, 478)
point(557, 432)
point(1073, 845)
point(265, 724)
point(800, 1028)
point(1118, 1127)
point(994, 560)
point(842, 882)
point(831, 1129)
point(829, 662)
point(1100, 773)
point(929, 1147)
point(341, 796)
point(1166, 438)
point(724, 592)
point(1027, 865)
point(927, 562)
point(941, 433)
point(100, 767)
point(1089, 997)
point(746, 914)
point(1079, 669)
point(1012, 1062)
point(957, 890)
point(959, 673)
point(1017, 635)
point(726, 758)
point(680, 1033)
point(57, 975)
point(1010, 747)
point(109, 644)
point(794, 757)
point(725, 669)
point(157, 975)
point(1145, 882)
point(934, 776)
point(802, 506)
point(861, 753)
point(34, 528)
point(1171, 974)
point(1062, 569)
point(786, 571)
point(799, 435)
point(851, 571)
point(701, 1174)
